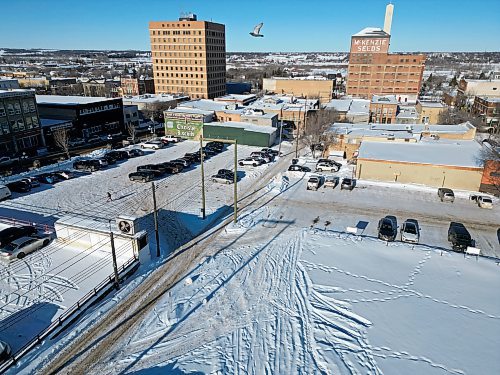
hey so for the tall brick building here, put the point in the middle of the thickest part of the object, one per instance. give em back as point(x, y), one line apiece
point(189, 57)
point(373, 70)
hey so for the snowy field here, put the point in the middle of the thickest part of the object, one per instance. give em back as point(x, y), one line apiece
point(286, 291)
point(274, 297)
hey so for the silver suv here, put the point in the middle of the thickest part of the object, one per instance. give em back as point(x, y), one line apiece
point(446, 195)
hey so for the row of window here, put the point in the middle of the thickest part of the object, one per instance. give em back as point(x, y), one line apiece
point(380, 74)
point(213, 33)
point(360, 88)
point(28, 106)
point(19, 125)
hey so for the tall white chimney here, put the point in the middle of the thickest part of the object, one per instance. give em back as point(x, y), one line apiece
point(389, 9)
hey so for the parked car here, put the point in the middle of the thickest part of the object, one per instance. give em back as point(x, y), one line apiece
point(4, 192)
point(143, 175)
point(347, 184)
point(210, 151)
point(22, 246)
point(157, 169)
point(134, 152)
point(195, 156)
point(110, 159)
point(249, 161)
point(388, 228)
point(459, 236)
point(215, 145)
point(171, 138)
point(5, 351)
point(320, 167)
point(87, 165)
point(178, 164)
point(446, 195)
point(263, 156)
point(19, 186)
point(298, 168)
point(45, 178)
point(13, 233)
point(118, 154)
point(185, 162)
point(65, 174)
point(222, 178)
point(189, 157)
point(331, 181)
point(32, 181)
point(313, 183)
point(270, 151)
point(153, 145)
point(171, 168)
point(410, 231)
point(484, 202)
point(227, 172)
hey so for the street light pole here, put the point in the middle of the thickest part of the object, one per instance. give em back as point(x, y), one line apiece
point(113, 255)
point(155, 217)
point(235, 181)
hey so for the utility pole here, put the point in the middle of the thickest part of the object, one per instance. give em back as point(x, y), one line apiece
point(202, 179)
point(155, 216)
point(281, 134)
point(113, 254)
point(297, 137)
point(235, 181)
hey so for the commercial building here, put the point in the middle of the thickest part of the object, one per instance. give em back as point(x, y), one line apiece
point(89, 116)
point(372, 70)
point(19, 123)
point(429, 112)
point(244, 133)
point(470, 88)
point(241, 100)
point(189, 56)
point(355, 111)
point(131, 117)
point(132, 86)
point(153, 101)
point(488, 108)
point(317, 87)
point(384, 109)
point(100, 87)
point(453, 165)
point(407, 114)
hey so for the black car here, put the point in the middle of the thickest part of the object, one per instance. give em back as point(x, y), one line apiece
point(32, 181)
point(118, 154)
point(46, 178)
point(195, 156)
point(459, 236)
point(144, 176)
point(19, 186)
point(299, 168)
point(209, 151)
point(109, 158)
point(178, 163)
point(134, 152)
point(347, 184)
point(190, 157)
point(270, 151)
point(87, 165)
point(217, 146)
point(157, 169)
point(171, 168)
point(225, 172)
point(388, 228)
point(10, 234)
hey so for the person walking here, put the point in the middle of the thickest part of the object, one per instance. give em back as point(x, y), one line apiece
point(109, 197)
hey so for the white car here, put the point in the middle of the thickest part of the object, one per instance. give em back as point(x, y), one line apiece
point(22, 246)
point(320, 167)
point(484, 202)
point(171, 138)
point(261, 155)
point(250, 161)
point(313, 183)
point(410, 231)
point(154, 145)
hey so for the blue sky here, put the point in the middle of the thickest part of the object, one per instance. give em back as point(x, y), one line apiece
point(291, 25)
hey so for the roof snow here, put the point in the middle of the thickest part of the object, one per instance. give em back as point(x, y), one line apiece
point(457, 153)
point(70, 100)
point(372, 31)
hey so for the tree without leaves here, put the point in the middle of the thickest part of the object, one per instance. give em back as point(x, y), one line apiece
point(131, 131)
point(455, 116)
point(61, 139)
point(316, 125)
point(490, 158)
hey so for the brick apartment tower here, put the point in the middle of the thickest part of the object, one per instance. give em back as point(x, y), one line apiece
point(189, 57)
point(372, 70)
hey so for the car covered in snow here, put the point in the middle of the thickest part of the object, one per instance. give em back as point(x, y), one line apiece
point(388, 228)
point(313, 183)
point(410, 231)
point(152, 145)
point(331, 182)
point(250, 161)
point(23, 246)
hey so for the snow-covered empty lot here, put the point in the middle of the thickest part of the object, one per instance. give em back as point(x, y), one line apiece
point(274, 297)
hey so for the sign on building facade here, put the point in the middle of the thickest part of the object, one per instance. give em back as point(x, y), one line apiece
point(185, 125)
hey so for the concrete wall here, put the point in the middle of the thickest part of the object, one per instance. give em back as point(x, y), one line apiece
point(430, 175)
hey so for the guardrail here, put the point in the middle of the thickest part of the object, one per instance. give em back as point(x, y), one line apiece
point(80, 305)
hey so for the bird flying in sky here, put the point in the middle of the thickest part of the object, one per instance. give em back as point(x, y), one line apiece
point(256, 30)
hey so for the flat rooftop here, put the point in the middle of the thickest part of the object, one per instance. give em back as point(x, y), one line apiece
point(432, 104)
point(372, 31)
point(244, 125)
point(189, 110)
point(457, 153)
point(206, 105)
point(71, 100)
point(152, 98)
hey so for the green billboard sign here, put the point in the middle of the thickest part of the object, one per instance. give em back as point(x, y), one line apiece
point(183, 125)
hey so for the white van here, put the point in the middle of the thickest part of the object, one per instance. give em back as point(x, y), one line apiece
point(4, 192)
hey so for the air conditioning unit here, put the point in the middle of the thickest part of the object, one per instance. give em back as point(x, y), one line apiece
point(127, 224)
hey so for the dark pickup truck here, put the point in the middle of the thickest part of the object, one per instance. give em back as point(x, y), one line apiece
point(459, 236)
